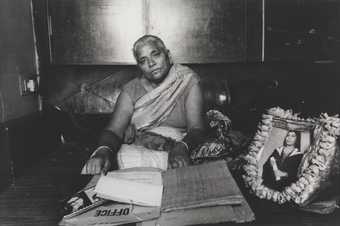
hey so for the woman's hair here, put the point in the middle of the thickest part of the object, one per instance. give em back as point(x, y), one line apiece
point(297, 141)
point(148, 39)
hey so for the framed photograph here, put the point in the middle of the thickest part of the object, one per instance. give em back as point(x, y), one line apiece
point(290, 158)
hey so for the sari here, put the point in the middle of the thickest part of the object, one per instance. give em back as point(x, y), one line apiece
point(153, 108)
point(148, 142)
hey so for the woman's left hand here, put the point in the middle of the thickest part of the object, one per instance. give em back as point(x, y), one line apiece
point(178, 156)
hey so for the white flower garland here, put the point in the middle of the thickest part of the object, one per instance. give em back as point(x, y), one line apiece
point(325, 132)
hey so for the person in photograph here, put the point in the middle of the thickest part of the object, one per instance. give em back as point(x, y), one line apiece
point(281, 168)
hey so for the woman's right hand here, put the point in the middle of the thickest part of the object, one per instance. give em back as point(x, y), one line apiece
point(178, 156)
point(99, 163)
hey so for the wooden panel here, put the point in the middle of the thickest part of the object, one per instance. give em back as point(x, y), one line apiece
point(196, 31)
point(201, 31)
point(95, 31)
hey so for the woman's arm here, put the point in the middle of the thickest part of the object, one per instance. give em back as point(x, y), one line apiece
point(194, 108)
point(121, 115)
point(194, 117)
point(179, 156)
point(110, 140)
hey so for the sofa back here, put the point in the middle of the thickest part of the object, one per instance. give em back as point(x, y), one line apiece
point(87, 94)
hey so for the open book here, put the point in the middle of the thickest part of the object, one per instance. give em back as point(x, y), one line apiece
point(140, 186)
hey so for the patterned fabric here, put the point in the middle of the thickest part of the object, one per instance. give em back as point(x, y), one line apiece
point(223, 142)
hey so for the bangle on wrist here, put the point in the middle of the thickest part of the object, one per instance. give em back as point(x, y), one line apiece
point(185, 144)
point(106, 148)
point(110, 140)
point(99, 151)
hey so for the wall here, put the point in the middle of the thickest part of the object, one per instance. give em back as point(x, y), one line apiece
point(17, 57)
point(76, 87)
point(308, 85)
point(20, 130)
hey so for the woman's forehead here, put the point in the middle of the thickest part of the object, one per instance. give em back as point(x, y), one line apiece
point(145, 48)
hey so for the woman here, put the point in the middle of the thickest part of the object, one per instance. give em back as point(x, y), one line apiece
point(281, 168)
point(166, 99)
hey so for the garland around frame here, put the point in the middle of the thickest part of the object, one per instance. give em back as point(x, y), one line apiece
point(325, 133)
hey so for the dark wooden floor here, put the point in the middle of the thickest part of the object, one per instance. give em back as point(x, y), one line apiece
point(31, 200)
point(35, 199)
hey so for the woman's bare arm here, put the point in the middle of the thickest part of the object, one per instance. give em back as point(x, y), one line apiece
point(121, 115)
point(194, 108)
point(101, 161)
point(179, 156)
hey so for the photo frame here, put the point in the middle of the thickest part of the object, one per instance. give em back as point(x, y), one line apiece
point(317, 145)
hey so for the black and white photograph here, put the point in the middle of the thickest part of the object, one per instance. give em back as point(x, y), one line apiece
point(169, 112)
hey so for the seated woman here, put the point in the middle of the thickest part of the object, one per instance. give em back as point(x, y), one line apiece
point(166, 99)
point(281, 168)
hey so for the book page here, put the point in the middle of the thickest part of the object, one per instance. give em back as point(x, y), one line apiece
point(137, 187)
point(139, 174)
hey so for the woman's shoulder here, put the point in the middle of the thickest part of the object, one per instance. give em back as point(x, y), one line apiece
point(132, 83)
point(186, 71)
point(194, 80)
point(134, 89)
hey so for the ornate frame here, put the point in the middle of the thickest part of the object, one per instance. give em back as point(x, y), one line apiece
point(315, 164)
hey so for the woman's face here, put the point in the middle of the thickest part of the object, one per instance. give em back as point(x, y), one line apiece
point(290, 138)
point(153, 61)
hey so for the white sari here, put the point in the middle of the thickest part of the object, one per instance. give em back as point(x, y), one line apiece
point(150, 111)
